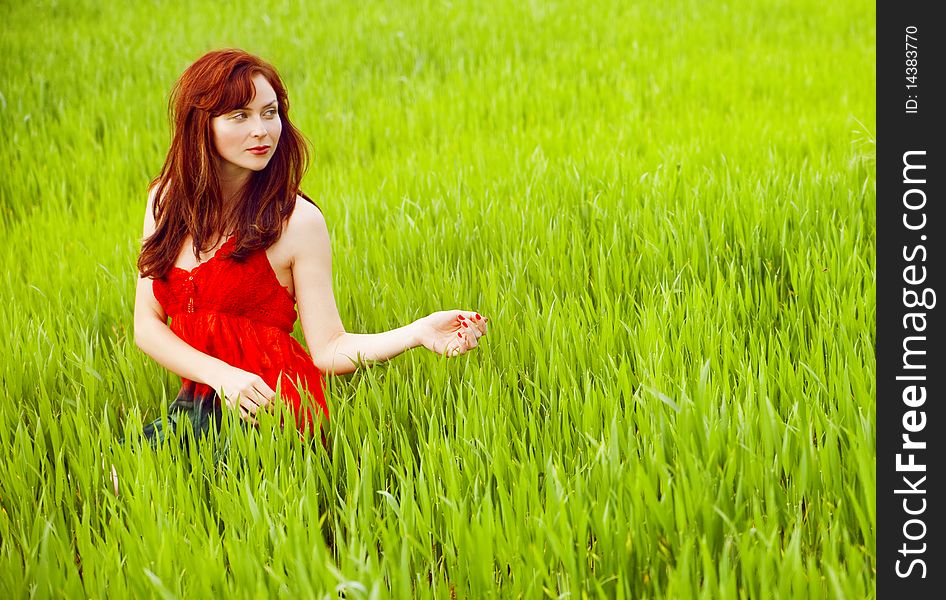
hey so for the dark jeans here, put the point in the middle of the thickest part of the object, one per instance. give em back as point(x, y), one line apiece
point(203, 413)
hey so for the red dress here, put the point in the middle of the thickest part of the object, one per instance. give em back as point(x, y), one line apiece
point(240, 313)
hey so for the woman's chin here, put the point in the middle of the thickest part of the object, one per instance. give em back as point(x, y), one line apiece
point(258, 166)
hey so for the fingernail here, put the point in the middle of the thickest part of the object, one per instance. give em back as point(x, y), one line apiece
point(478, 316)
point(459, 335)
point(460, 317)
point(465, 325)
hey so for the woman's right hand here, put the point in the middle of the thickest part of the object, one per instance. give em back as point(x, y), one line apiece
point(245, 391)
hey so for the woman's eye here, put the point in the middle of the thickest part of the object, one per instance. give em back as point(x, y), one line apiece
point(272, 112)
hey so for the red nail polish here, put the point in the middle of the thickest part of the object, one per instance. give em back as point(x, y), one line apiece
point(459, 335)
point(460, 317)
point(478, 317)
point(465, 325)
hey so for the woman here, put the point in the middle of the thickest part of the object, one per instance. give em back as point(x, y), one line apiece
point(232, 245)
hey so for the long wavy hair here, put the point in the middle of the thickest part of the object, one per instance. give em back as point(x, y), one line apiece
point(188, 198)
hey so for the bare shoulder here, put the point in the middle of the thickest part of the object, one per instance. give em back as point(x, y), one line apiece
point(153, 192)
point(306, 230)
point(149, 224)
point(305, 221)
point(152, 197)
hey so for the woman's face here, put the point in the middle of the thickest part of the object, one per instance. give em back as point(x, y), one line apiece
point(251, 127)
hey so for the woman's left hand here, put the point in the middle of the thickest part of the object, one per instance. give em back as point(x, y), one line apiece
point(451, 332)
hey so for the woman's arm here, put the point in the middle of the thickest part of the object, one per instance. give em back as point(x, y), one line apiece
point(157, 340)
point(239, 388)
point(334, 351)
point(337, 352)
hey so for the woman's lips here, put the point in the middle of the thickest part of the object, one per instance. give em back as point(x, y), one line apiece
point(259, 150)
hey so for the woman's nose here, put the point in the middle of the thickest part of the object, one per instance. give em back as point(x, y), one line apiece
point(259, 129)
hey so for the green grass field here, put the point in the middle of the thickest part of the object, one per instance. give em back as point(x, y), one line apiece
point(666, 209)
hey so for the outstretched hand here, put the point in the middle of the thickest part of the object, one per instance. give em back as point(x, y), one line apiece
point(451, 332)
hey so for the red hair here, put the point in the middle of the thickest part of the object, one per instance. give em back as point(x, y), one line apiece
point(188, 198)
